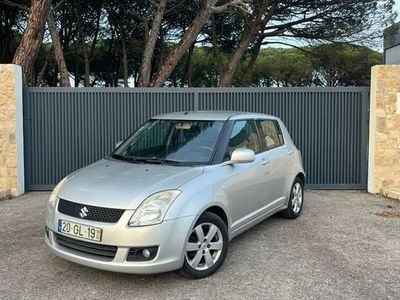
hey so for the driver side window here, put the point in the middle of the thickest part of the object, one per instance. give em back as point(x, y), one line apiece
point(244, 135)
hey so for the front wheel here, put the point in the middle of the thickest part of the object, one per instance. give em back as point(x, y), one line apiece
point(295, 203)
point(206, 247)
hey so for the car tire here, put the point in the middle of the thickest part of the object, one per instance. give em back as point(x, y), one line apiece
point(296, 200)
point(203, 255)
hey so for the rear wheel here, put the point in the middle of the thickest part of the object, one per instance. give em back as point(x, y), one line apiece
point(295, 203)
point(206, 247)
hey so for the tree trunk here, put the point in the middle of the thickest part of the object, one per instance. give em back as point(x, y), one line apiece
point(33, 77)
point(87, 65)
point(217, 53)
point(188, 38)
point(124, 61)
point(261, 16)
point(58, 52)
point(110, 62)
point(54, 78)
point(84, 49)
point(77, 74)
point(145, 66)
point(116, 72)
point(252, 61)
point(43, 70)
point(160, 54)
point(96, 34)
point(187, 76)
point(28, 48)
point(226, 79)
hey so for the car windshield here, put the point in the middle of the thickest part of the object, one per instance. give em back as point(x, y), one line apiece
point(172, 141)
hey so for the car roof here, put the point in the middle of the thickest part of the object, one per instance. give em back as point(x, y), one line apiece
point(212, 115)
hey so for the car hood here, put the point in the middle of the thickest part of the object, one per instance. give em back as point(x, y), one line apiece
point(118, 184)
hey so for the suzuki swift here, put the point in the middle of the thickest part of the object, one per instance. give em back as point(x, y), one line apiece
point(174, 193)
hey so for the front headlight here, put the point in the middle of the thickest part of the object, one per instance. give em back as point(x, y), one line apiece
point(153, 209)
point(54, 194)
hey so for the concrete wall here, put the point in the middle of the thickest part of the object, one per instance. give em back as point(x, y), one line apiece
point(384, 135)
point(392, 55)
point(11, 132)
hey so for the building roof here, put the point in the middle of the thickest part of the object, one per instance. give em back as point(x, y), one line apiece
point(391, 36)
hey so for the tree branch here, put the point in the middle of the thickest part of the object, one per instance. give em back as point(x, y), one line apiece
point(242, 5)
point(22, 6)
point(290, 45)
point(58, 5)
point(142, 20)
point(154, 3)
point(16, 5)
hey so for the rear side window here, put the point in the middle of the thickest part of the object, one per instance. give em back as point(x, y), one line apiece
point(244, 135)
point(271, 134)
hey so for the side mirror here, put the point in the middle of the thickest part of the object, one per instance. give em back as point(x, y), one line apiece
point(241, 155)
point(118, 144)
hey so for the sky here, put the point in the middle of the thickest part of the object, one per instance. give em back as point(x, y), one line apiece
point(397, 8)
point(378, 47)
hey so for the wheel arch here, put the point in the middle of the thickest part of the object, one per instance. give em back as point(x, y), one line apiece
point(299, 174)
point(220, 212)
point(302, 177)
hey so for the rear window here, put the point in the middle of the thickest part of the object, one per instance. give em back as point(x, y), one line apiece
point(271, 134)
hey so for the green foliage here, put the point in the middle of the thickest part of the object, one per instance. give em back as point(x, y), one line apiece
point(324, 65)
point(282, 67)
point(343, 64)
point(101, 28)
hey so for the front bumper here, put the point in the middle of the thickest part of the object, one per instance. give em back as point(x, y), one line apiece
point(170, 237)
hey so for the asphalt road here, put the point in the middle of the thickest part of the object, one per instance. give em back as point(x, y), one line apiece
point(338, 249)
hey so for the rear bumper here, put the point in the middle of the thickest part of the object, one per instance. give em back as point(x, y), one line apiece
point(170, 237)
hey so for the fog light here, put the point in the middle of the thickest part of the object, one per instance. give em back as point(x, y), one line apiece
point(146, 253)
point(142, 254)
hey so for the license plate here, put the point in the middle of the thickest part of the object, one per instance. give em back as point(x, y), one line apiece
point(79, 230)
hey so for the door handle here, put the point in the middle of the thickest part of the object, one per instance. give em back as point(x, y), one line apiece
point(265, 161)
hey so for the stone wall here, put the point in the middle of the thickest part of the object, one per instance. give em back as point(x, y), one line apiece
point(384, 136)
point(11, 134)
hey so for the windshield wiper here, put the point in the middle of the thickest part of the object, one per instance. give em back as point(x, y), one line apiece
point(162, 161)
point(153, 160)
point(127, 158)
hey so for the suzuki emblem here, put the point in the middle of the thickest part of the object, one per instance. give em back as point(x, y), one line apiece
point(84, 212)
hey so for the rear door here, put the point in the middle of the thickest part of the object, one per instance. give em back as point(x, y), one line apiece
point(275, 166)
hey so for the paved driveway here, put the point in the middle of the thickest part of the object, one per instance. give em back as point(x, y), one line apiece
point(338, 249)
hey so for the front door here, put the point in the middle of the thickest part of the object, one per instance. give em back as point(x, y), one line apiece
point(245, 182)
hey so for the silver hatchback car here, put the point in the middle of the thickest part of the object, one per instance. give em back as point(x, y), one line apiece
point(174, 193)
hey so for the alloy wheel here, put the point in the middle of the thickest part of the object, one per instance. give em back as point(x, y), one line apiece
point(204, 247)
point(297, 197)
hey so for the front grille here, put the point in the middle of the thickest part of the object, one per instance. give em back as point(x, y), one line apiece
point(92, 213)
point(86, 247)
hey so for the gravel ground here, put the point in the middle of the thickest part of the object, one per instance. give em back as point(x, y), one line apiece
point(346, 245)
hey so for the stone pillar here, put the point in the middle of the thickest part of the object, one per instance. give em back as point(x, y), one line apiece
point(384, 131)
point(11, 132)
